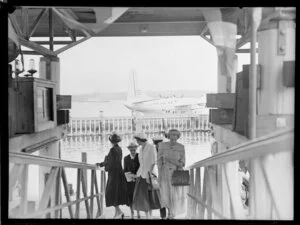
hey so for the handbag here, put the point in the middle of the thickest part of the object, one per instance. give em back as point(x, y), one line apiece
point(180, 178)
point(154, 196)
point(153, 182)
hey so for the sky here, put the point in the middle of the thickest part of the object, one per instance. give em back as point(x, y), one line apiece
point(103, 64)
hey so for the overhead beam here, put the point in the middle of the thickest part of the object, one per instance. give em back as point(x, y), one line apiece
point(15, 24)
point(208, 40)
point(25, 23)
point(243, 40)
point(54, 42)
point(51, 29)
point(71, 45)
point(204, 30)
point(30, 53)
point(40, 49)
point(37, 21)
point(245, 50)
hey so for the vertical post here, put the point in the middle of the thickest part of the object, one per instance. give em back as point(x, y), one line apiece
point(24, 190)
point(84, 160)
point(252, 80)
point(51, 29)
point(78, 193)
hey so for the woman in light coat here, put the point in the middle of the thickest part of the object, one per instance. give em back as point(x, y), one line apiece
point(147, 159)
point(171, 156)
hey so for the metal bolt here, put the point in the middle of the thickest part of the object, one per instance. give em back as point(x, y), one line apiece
point(282, 48)
point(282, 31)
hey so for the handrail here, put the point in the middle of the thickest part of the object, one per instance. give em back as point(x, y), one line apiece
point(23, 158)
point(250, 149)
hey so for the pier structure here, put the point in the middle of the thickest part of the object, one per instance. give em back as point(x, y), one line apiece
point(129, 125)
point(251, 115)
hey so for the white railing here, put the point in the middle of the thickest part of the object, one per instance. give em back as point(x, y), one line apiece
point(127, 125)
point(212, 195)
point(50, 201)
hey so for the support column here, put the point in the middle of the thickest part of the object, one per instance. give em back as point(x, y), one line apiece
point(276, 45)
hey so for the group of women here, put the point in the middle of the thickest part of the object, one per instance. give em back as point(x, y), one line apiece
point(130, 186)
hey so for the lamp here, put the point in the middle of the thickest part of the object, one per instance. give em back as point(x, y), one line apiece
point(31, 70)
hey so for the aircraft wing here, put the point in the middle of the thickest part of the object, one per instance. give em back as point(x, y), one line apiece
point(142, 101)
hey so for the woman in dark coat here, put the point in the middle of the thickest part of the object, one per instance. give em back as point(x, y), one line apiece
point(116, 187)
point(131, 165)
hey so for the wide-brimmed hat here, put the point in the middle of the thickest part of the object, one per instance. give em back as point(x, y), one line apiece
point(132, 145)
point(140, 136)
point(174, 131)
point(157, 138)
point(115, 138)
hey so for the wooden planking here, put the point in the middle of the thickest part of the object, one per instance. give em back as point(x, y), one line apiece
point(100, 207)
point(84, 190)
point(93, 174)
point(49, 188)
point(65, 183)
point(57, 192)
point(220, 100)
point(24, 190)
point(197, 191)
point(13, 176)
point(78, 193)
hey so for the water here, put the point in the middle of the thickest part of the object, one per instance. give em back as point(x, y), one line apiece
point(92, 109)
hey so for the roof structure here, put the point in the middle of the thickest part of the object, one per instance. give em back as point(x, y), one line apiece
point(86, 22)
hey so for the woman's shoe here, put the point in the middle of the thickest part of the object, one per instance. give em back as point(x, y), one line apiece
point(119, 216)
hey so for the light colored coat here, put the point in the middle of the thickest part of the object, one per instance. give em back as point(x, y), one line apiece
point(170, 158)
point(147, 157)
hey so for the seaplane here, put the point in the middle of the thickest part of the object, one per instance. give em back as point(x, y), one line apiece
point(141, 103)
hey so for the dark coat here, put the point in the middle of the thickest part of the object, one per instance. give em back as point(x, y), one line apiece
point(116, 187)
point(131, 165)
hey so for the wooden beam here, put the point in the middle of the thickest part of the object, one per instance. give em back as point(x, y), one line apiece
point(24, 190)
point(243, 40)
point(93, 175)
point(247, 50)
point(84, 190)
point(25, 23)
point(37, 21)
point(208, 40)
point(51, 29)
point(13, 177)
point(278, 141)
point(48, 189)
point(38, 48)
point(30, 53)
point(54, 42)
point(70, 45)
point(78, 194)
point(204, 30)
point(65, 183)
point(15, 24)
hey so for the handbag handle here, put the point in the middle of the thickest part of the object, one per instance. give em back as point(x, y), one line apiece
point(150, 180)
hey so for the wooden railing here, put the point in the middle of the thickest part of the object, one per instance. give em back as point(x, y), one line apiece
point(50, 201)
point(215, 187)
point(127, 125)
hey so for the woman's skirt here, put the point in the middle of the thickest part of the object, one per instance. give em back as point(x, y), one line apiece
point(141, 195)
point(130, 190)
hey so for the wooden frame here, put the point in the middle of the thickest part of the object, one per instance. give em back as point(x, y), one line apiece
point(51, 190)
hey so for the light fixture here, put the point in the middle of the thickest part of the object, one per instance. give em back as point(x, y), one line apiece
point(32, 69)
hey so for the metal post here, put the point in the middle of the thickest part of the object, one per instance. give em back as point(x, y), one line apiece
point(252, 81)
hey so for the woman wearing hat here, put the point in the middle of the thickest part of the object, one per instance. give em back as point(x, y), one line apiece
point(147, 159)
point(131, 165)
point(171, 156)
point(116, 187)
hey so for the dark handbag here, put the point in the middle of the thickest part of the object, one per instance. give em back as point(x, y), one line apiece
point(154, 196)
point(180, 178)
